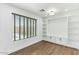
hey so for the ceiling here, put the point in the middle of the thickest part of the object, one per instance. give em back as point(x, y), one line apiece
point(36, 7)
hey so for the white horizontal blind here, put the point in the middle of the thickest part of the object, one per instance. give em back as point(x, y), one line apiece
point(74, 28)
point(58, 28)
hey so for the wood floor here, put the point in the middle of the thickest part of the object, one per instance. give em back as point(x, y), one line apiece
point(46, 48)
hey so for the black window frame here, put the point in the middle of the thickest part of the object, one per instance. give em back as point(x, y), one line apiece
point(34, 29)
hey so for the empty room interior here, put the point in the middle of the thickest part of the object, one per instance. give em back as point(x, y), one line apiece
point(39, 28)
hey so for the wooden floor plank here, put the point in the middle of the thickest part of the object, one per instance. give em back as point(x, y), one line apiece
point(46, 48)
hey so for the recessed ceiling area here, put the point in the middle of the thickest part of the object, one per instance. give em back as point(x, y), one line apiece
point(46, 9)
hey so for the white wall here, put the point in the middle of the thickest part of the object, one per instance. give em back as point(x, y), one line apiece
point(7, 45)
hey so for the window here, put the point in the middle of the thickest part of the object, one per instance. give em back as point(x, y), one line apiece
point(24, 27)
